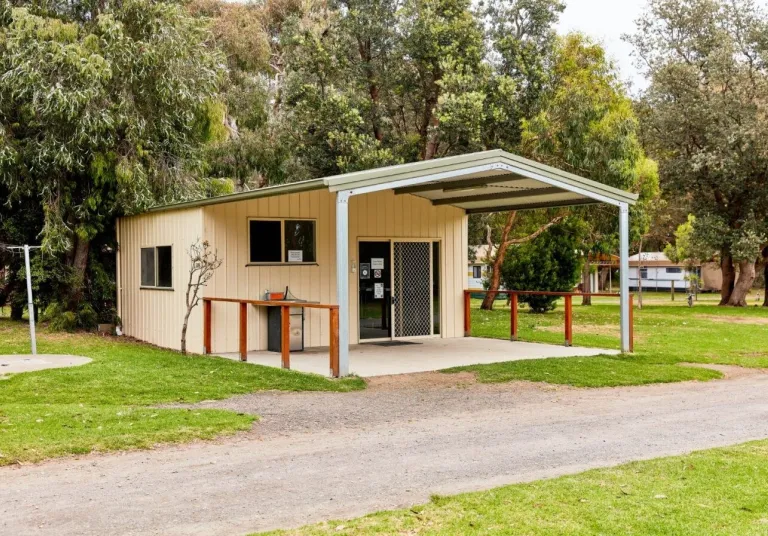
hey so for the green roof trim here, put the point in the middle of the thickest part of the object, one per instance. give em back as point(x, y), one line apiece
point(267, 191)
point(508, 162)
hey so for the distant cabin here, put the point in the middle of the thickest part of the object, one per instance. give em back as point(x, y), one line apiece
point(659, 273)
point(478, 267)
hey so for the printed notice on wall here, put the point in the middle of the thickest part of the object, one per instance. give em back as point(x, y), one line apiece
point(377, 264)
point(295, 255)
point(378, 290)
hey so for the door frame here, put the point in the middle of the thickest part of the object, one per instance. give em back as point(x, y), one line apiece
point(392, 241)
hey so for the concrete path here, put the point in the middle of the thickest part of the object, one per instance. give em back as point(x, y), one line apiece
point(321, 456)
point(421, 355)
point(12, 364)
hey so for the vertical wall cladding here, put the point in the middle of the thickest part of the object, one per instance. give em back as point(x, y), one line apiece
point(156, 315)
point(226, 226)
point(379, 215)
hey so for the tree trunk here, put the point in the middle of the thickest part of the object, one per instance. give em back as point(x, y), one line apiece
point(603, 279)
point(729, 276)
point(586, 281)
point(743, 285)
point(79, 266)
point(765, 277)
point(17, 312)
point(501, 252)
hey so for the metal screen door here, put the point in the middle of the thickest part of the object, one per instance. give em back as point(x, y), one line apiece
point(412, 289)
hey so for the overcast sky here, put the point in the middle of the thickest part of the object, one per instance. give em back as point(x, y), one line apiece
point(606, 21)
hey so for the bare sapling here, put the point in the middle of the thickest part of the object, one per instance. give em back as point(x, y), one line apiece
point(203, 263)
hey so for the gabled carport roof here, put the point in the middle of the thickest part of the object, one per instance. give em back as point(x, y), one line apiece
point(486, 181)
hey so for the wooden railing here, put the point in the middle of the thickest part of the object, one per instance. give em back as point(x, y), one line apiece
point(568, 299)
point(285, 323)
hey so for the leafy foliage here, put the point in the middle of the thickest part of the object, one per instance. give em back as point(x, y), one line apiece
point(550, 262)
point(705, 121)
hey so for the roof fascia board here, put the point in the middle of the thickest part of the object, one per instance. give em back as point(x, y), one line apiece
point(270, 191)
point(567, 177)
point(419, 179)
point(567, 184)
point(404, 171)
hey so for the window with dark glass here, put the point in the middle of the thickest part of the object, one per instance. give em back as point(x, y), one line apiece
point(157, 267)
point(147, 267)
point(300, 241)
point(675, 270)
point(164, 267)
point(477, 272)
point(644, 273)
point(265, 241)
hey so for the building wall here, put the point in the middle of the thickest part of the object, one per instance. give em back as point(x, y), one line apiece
point(157, 315)
point(378, 215)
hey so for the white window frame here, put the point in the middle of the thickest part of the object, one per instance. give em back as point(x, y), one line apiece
point(283, 260)
point(155, 286)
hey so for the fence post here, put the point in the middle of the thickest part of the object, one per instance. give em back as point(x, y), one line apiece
point(243, 331)
point(285, 336)
point(569, 320)
point(467, 314)
point(206, 326)
point(334, 334)
point(631, 323)
point(513, 316)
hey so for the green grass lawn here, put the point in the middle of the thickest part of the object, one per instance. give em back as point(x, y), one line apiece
point(712, 492)
point(103, 405)
point(666, 333)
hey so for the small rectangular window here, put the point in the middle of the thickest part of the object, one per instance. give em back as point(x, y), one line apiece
point(299, 241)
point(147, 267)
point(674, 270)
point(265, 241)
point(644, 273)
point(157, 267)
point(477, 272)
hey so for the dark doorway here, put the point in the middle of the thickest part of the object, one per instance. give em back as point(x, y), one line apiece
point(375, 291)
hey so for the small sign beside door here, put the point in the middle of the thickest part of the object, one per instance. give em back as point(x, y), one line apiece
point(378, 291)
point(377, 274)
point(365, 270)
point(377, 263)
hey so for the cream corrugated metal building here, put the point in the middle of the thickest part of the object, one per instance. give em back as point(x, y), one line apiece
point(405, 255)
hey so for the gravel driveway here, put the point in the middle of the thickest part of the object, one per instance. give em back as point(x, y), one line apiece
point(317, 456)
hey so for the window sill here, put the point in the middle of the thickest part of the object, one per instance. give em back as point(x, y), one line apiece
point(281, 264)
point(166, 289)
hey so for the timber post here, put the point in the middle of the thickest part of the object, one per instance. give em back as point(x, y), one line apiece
point(512, 316)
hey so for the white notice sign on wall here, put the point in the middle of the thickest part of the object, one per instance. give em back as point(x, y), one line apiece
point(378, 291)
point(295, 255)
point(377, 264)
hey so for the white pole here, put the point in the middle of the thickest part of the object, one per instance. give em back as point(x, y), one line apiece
point(30, 304)
point(624, 274)
point(342, 277)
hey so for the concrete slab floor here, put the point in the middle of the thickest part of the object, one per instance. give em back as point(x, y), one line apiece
point(12, 364)
point(420, 355)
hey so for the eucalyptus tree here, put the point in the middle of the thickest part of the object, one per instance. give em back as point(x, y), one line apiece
point(102, 112)
point(705, 122)
point(587, 125)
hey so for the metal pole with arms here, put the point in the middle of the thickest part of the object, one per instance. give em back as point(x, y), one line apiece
point(624, 276)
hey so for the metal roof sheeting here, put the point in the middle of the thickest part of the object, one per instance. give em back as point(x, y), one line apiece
point(486, 181)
